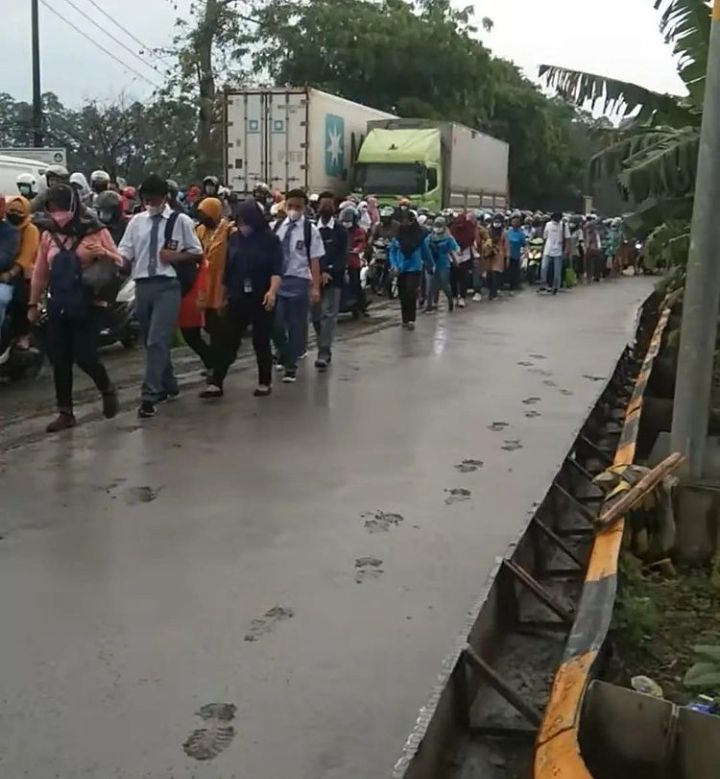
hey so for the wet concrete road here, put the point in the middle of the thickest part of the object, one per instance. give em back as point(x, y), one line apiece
point(238, 553)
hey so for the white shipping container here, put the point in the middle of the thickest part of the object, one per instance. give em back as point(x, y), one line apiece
point(293, 137)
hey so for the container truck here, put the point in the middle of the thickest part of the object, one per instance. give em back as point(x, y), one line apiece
point(293, 137)
point(434, 164)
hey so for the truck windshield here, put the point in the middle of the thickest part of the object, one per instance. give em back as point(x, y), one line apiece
point(390, 178)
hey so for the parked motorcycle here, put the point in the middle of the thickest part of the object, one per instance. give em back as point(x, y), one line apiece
point(119, 323)
point(534, 260)
point(17, 363)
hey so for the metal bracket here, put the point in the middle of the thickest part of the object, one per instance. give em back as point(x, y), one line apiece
point(603, 455)
point(555, 538)
point(582, 471)
point(531, 714)
point(582, 509)
point(539, 591)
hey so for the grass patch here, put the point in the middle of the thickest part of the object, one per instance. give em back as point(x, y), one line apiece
point(658, 621)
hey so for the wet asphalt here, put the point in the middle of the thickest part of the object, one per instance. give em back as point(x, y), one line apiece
point(306, 560)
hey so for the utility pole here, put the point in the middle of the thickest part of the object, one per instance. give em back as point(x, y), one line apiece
point(37, 93)
point(691, 409)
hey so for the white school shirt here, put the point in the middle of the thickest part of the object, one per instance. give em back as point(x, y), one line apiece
point(555, 234)
point(135, 244)
point(296, 264)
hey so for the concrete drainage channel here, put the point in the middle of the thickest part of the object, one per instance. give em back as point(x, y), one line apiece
point(483, 717)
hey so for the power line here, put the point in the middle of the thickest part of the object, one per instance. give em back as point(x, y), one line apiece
point(127, 32)
point(113, 38)
point(99, 46)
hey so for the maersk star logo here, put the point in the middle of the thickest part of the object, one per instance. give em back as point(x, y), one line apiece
point(334, 145)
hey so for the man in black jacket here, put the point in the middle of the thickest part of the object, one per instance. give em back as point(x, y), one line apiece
point(332, 270)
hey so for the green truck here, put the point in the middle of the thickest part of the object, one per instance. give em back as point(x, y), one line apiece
point(434, 164)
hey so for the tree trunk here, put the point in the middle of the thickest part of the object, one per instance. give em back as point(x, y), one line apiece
point(207, 162)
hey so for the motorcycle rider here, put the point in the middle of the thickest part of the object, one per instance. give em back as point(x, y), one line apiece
point(18, 215)
point(54, 175)
point(9, 270)
point(99, 182)
point(377, 252)
point(27, 185)
point(172, 197)
point(332, 275)
point(79, 182)
point(108, 207)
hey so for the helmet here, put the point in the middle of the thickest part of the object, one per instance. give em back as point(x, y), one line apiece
point(56, 171)
point(27, 185)
point(100, 175)
point(349, 216)
point(387, 213)
point(172, 186)
point(422, 219)
point(498, 218)
point(439, 224)
point(424, 211)
point(108, 206)
point(314, 198)
point(210, 181)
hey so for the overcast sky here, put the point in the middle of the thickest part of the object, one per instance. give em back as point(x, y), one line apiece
point(621, 41)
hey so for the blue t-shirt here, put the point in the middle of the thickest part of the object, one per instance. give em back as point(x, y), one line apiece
point(517, 240)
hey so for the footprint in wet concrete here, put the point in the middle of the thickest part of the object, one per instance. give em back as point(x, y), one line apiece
point(538, 357)
point(593, 378)
point(525, 364)
point(540, 372)
point(549, 383)
point(113, 485)
point(136, 495)
point(381, 521)
point(497, 426)
point(215, 735)
point(368, 568)
point(261, 627)
point(457, 495)
point(532, 414)
point(469, 466)
point(512, 445)
point(565, 392)
point(531, 401)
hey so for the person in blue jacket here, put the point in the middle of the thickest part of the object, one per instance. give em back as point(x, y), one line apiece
point(445, 250)
point(409, 253)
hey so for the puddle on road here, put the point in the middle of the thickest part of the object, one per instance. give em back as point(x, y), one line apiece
point(469, 466)
point(268, 623)
point(381, 521)
point(215, 736)
point(457, 495)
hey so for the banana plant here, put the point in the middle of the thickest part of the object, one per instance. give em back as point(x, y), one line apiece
point(653, 153)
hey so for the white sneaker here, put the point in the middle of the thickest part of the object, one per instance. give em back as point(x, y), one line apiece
point(461, 302)
point(477, 297)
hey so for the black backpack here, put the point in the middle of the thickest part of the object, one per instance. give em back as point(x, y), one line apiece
point(68, 295)
point(307, 234)
point(187, 272)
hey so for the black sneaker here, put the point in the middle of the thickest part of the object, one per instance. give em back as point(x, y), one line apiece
point(322, 363)
point(290, 376)
point(211, 391)
point(169, 396)
point(146, 410)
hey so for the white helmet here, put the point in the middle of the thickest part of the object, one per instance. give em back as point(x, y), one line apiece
point(26, 184)
point(58, 171)
point(99, 175)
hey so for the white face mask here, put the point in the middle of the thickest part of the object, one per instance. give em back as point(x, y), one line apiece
point(438, 230)
point(154, 210)
point(293, 215)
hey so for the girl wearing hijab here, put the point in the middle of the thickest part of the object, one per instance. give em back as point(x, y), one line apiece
point(409, 253)
point(444, 249)
point(495, 255)
point(18, 215)
point(74, 330)
point(251, 279)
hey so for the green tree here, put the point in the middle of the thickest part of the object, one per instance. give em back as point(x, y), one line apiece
point(423, 60)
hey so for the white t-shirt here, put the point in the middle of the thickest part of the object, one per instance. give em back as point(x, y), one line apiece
point(556, 233)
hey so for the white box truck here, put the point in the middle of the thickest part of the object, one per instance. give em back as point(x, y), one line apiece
point(435, 164)
point(293, 137)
